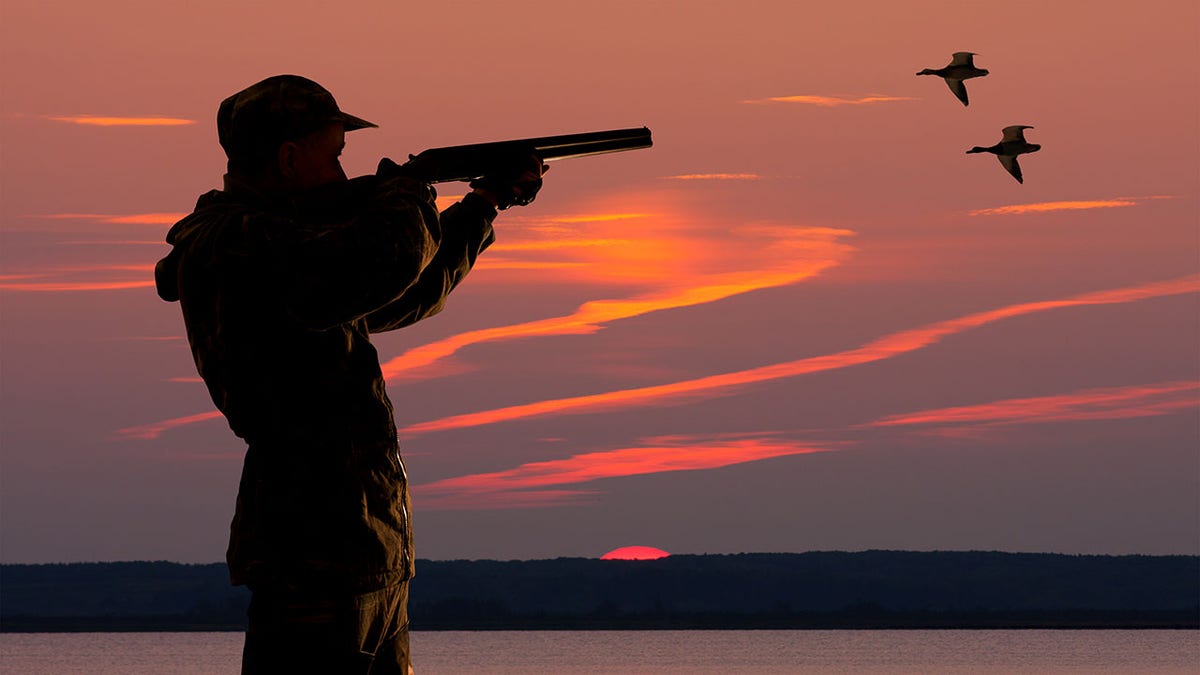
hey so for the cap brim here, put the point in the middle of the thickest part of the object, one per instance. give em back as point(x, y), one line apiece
point(351, 123)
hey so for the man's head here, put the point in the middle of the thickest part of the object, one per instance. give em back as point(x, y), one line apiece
point(286, 130)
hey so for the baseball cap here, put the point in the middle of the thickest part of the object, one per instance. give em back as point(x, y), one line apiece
point(253, 122)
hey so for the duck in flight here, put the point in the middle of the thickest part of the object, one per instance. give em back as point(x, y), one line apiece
point(1012, 144)
point(962, 67)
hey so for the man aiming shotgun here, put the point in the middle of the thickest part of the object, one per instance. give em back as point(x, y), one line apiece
point(281, 277)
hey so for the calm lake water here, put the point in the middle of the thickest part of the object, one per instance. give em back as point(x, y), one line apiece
point(669, 652)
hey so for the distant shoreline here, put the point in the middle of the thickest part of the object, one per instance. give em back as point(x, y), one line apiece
point(158, 625)
point(869, 590)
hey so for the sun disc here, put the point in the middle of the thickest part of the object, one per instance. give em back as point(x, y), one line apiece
point(635, 553)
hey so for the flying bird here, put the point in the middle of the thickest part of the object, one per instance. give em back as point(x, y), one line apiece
point(1012, 144)
point(962, 67)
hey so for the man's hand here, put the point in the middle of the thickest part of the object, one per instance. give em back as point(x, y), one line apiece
point(516, 187)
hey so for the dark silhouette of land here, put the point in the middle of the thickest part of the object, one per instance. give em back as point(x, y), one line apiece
point(872, 589)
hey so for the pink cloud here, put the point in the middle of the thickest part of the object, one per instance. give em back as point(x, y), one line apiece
point(679, 258)
point(716, 176)
point(525, 486)
point(722, 385)
point(99, 121)
point(1044, 207)
point(152, 431)
point(97, 279)
point(832, 101)
point(155, 218)
point(72, 286)
point(1088, 404)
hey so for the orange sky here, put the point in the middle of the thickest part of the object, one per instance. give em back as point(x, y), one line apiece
point(805, 301)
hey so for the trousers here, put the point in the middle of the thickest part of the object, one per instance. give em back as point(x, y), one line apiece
point(319, 632)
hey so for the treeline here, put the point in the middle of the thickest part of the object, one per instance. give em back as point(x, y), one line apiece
point(872, 589)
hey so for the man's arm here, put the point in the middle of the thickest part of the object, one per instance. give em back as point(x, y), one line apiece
point(353, 248)
point(467, 231)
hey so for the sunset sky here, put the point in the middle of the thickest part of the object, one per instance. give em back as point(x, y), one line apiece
point(805, 319)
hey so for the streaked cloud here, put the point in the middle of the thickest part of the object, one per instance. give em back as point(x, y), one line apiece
point(100, 121)
point(539, 484)
point(558, 245)
point(114, 242)
point(724, 384)
point(676, 263)
point(157, 218)
point(526, 485)
point(832, 101)
point(591, 316)
point(509, 264)
point(95, 278)
point(21, 277)
point(592, 218)
point(1089, 404)
point(66, 286)
point(680, 258)
point(1043, 207)
point(716, 176)
point(152, 431)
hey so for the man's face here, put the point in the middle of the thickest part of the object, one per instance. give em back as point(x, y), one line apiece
point(316, 159)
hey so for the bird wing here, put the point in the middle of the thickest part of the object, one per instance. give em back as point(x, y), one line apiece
point(963, 59)
point(1009, 162)
point(959, 89)
point(1015, 133)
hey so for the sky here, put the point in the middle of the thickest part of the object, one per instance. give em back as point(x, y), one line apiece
point(804, 320)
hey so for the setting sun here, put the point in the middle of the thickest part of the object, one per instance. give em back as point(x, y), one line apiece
point(635, 553)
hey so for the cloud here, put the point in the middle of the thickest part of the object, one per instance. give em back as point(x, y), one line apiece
point(158, 218)
point(832, 101)
point(113, 242)
point(152, 431)
point(591, 316)
point(716, 176)
point(1042, 207)
point(685, 260)
point(525, 486)
point(98, 121)
point(534, 484)
point(724, 384)
point(63, 279)
point(1088, 404)
point(69, 286)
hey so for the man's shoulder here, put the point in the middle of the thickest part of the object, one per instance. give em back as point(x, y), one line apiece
point(221, 216)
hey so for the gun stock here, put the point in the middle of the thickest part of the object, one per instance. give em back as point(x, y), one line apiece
point(468, 162)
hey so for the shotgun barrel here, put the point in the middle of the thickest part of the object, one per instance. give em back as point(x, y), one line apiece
point(468, 162)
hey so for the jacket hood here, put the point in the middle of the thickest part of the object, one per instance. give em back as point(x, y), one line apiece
point(166, 271)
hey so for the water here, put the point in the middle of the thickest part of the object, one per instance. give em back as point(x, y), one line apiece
point(659, 652)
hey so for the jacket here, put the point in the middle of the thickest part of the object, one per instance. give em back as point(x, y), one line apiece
point(279, 297)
